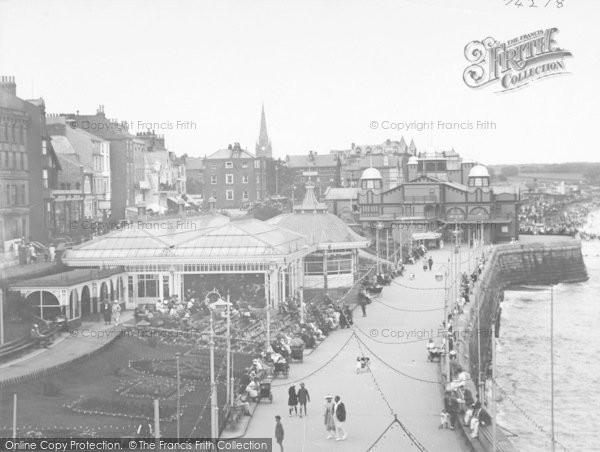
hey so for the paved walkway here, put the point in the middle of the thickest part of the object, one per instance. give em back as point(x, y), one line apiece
point(415, 397)
point(89, 337)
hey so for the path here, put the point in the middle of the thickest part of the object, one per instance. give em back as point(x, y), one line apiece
point(416, 400)
point(89, 337)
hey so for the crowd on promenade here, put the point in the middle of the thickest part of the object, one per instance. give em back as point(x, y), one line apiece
point(553, 217)
point(459, 403)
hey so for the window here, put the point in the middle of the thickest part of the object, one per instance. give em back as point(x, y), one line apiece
point(229, 178)
point(148, 286)
point(213, 166)
point(229, 195)
point(245, 195)
point(257, 164)
point(23, 195)
point(257, 179)
point(166, 287)
point(505, 229)
point(44, 150)
point(245, 179)
point(228, 164)
point(257, 194)
point(213, 179)
point(244, 164)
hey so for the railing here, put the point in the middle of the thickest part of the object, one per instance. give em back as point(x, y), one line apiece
point(428, 199)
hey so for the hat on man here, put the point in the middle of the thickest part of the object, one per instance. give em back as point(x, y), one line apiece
point(329, 397)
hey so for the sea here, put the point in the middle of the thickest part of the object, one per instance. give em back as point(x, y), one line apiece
point(523, 362)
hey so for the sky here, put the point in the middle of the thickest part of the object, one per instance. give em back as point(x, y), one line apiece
point(325, 70)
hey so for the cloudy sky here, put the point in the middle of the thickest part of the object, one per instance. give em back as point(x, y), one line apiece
point(324, 69)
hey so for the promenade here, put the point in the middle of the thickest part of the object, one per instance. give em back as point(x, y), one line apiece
point(398, 326)
point(89, 337)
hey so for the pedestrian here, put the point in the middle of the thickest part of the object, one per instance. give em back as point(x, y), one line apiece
point(454, 409)
point(362, 301)
point(52, 252)
point(107, 311)
point(292, 400)
point(279, 432)
point(329, 415)
point(340, 419)
point(424, 265)
point(116, 309)
point(430, 262)
point(303, 397)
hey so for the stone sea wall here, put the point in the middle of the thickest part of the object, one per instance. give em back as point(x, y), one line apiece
point(513, 265)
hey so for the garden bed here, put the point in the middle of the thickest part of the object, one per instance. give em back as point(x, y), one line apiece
point(121, 408)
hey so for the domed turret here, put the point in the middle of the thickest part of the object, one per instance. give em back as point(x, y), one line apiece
point(371, 179)
point(479, 171)
point(371, 173)
point(479, 176)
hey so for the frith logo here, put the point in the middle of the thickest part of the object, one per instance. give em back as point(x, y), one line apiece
point(514, 63)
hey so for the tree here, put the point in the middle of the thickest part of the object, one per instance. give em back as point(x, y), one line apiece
point(509, 171)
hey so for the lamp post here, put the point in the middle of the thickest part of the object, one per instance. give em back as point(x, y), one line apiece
point(214, 407)
point(378, 228)
point(552, 364)
point(446, 351)
point(177, 355)
point(2, 307)
point(302, 305)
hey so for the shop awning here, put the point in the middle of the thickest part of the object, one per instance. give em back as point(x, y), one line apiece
point(426, 236)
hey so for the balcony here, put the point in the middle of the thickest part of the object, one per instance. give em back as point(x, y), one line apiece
point(429, 199)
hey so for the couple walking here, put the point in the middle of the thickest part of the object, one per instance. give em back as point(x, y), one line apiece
point(335, 418)
point(302, 397)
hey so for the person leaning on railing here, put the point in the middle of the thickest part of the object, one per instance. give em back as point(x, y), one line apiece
point(39, 338)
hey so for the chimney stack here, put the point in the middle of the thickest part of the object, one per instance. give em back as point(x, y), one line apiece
point(8, 85)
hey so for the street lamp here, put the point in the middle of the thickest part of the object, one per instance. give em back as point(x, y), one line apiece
point(438, 278)
point(378, 228)
point(177, 355)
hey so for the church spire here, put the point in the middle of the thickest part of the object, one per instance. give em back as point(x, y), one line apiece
point(263, 145)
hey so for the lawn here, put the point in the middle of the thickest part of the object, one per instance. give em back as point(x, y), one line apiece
point(120, 395)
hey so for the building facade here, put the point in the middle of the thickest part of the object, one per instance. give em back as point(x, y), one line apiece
point(435, 204)
point(121, 144)
point(85, 177)
point(28, 169)
point(233, 178)
point(323, 170)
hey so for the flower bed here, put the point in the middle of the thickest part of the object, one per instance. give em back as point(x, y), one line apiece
point(121, 408)
point(153, 388)
point(168, 368)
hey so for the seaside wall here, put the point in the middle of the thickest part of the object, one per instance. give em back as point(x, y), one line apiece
point(513, 265)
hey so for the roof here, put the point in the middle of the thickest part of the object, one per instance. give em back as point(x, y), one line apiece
point(230, 154)
point(194, 163)
point(311, 219)
point(346, 193)
point(479, 171)
point(363, 162)
point(73, 160)
point(323, 229)
point(65, 279)
point(371, 173)
point(62, 145)
point(205, 239)
point(310, 203)
point(303, 161)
